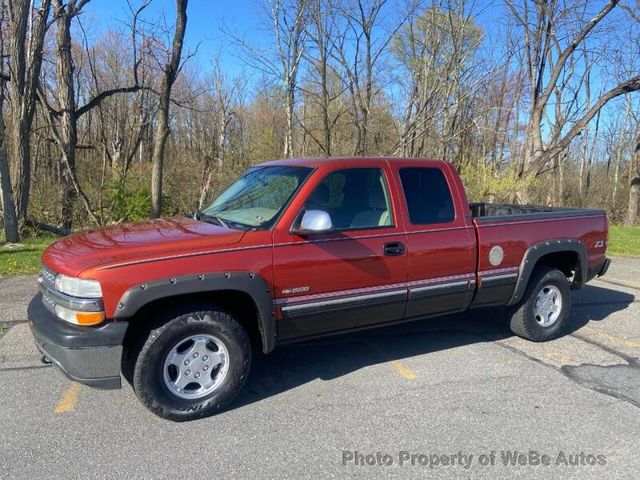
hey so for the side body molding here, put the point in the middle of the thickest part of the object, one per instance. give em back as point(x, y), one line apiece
point(537, 251)
point(253, 285)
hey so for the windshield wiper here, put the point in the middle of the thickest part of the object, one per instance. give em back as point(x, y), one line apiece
point(200, 215)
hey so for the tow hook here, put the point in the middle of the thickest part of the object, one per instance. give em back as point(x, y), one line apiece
point(44, 359)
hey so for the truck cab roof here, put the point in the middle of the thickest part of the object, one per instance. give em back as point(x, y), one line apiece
point(341, 162)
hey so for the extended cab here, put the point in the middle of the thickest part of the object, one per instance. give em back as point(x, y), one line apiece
point(292, 250)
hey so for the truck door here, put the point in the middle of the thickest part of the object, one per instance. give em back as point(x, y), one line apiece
point(441, 242)
point(352, 276)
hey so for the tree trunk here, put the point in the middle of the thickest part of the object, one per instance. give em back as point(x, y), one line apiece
point(11, 231)
point(634, 178)
point(634, 198)
point(161, 134)
point(22, 160)
point(8, 208)
point(162, 127)
point(288, 134)
point(25, 61)
point(68, 132)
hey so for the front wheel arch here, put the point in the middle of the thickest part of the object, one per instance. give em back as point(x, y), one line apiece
point(222, 289)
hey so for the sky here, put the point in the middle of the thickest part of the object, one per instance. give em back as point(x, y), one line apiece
point(208, 18)
point(205, 20)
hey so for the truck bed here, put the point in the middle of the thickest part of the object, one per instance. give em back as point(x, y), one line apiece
point(491, 212)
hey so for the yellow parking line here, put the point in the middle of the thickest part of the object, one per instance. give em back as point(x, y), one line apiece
point(403, 370)
point(69, 399)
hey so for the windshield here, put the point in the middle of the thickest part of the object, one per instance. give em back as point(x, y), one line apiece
point(256, 199)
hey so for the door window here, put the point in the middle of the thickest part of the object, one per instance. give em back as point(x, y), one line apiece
point(355, 198)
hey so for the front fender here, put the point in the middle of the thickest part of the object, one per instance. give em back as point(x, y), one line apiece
point(255, 286)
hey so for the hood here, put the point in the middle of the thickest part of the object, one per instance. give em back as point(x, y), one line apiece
point(137, 241)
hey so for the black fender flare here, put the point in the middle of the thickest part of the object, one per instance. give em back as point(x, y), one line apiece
point(536, 251)
point(253, 285)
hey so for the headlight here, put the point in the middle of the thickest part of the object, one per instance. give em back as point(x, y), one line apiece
point(77, 287)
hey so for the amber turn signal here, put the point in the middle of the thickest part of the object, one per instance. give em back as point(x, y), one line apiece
point(92, 318)
point(79, 318)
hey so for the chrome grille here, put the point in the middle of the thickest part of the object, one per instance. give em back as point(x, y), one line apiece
point(47, 276)
point(52, 297)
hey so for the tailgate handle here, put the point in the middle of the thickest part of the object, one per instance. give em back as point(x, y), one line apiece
point(394, 248)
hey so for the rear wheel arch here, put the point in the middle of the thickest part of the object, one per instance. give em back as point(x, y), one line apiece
point(567, 255)
point(242, 294)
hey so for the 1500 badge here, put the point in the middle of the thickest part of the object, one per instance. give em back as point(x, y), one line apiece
point(289, 291)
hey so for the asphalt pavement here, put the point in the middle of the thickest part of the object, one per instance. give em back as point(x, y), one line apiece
point(453, 397)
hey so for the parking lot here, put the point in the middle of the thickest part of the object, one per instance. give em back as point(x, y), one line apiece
point(428, 399)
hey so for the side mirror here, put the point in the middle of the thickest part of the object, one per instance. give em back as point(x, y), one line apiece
point(315, 221)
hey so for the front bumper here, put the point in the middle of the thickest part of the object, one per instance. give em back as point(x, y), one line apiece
point(88, 355)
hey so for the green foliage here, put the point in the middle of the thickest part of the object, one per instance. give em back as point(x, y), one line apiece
point(128, 203)
point(483, 183)
point(23, 258)
point(624, 241)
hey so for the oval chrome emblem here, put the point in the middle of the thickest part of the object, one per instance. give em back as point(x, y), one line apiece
point(496, 255)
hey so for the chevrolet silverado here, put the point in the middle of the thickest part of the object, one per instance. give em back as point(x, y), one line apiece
point(292, 250)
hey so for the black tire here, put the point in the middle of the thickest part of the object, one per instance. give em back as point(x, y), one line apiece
point(148, 376)
point(522, 317)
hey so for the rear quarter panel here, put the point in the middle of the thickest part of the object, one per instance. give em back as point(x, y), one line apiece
point(516, 236)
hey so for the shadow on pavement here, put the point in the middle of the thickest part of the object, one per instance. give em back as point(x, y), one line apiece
point(332, 357)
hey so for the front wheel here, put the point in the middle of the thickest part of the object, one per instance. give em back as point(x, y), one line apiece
point(545, 307)
point(192, 365)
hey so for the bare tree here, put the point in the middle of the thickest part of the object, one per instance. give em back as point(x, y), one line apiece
point(169, 74)
point(634, 182)
point(361, 44)
point(289, 28)
point(288, 21)
point(27, 29)
point(323, 90)
point(436, 51)
point(225, 99)
point(11, 232)
point(63, 120)
point(545, 68)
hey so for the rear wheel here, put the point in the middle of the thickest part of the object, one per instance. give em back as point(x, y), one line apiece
point(192, 365)
point(545, 306)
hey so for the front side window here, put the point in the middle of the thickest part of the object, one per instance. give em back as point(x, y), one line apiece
point(427, 194)
point(354, 198)
point(256, 199)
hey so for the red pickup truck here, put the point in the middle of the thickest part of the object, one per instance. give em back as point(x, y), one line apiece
point(296, 249)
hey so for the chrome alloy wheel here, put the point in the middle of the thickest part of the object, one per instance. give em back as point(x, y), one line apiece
point(196, 366)
point(548, 305)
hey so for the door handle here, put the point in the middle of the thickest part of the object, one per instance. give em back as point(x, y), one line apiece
point(394, 248)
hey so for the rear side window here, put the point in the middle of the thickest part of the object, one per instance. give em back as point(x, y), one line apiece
point(427, 194)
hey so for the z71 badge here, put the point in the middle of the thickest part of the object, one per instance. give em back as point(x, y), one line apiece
point(289, 291)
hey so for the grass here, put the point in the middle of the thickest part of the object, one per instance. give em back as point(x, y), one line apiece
point(624, 241)
point(3, 328)
point(23, 258)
